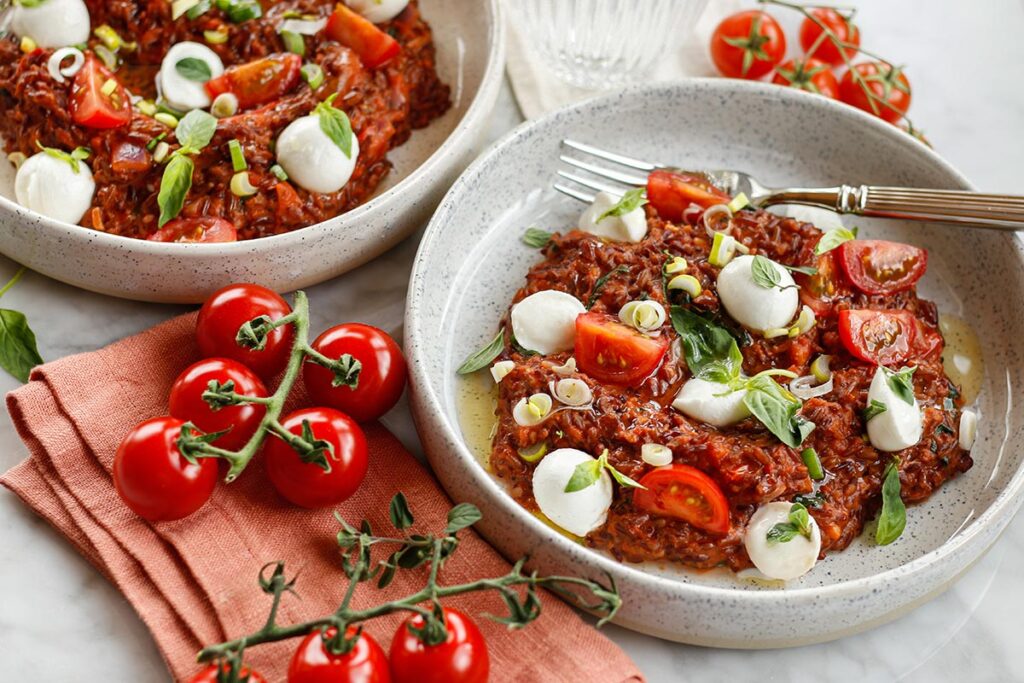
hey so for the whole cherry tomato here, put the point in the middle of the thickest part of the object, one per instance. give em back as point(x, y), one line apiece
point(377, 384)
point(826, 50)
point(308, 484)
point(808, 74)
point(748, 44)
point(154, 479)
point(886, 82)
point(186, 400)
point(205, 229)
point(209, 675)
point(231, 307)
point(313, 662)
point(461, 658)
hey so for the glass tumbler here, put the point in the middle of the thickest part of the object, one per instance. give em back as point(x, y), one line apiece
point(601, 44)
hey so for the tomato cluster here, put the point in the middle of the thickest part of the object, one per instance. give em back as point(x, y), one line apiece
point(157, 481)
point(461, 658)
point(752, 44)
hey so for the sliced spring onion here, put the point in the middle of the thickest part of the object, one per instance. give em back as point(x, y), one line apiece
point(110, 38)
point(773, 332)
point(313, 75)
point(813, 463)
point(294, 43)
point(820, 368)
point(16, 158)
point(572, 392)
point(723, 248)
point(713, 216)
point(304, 27)
point(806, 387)
point(742, 248)
point(108, 87)
point(568, 368)
point(656, 455)
point(106, 56)
point(500, 369)
point(535, 452)
point(237, 156)
point(529, 412)
point(179, 7)
point(160, 152)
point(677, 265)
point(804, 322)
point(968, 429)
point(279, 172)
point(146, 107)
point(240, 185)
point(225, 105)
point(57, 58)
point(216, 37)
point(169, 120)
point(687, 283)
point(151, 145)
point(738, 202)
point(646, 315)
point(28, 45)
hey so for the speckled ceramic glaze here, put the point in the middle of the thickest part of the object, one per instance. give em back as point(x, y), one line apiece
point(470, 58)
point(471, 262)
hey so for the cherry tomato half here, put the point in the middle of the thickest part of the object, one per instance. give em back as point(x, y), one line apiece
point(685, 493)
point(209, 675)
point(314, 663)
point(191, 230)
point(154, 479)
point(186, 401)
point(612, 352)
point(887, 83)
point(820, 290)
point(307, 484)
point(258, 82)
point(747, 44)
point(374, 47)
point(881, 267)
point(380, 380)
point(90, 105)
point(811, 75)
point(826, 50)
point(231, 307)
point(461, 658)
point(878, 337)
point(671, 193)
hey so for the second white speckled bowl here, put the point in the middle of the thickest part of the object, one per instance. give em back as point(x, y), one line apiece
point(471, 262)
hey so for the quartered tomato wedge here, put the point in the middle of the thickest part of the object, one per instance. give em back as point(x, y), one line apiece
point(615, 353)
point(93, 108)
point(203, 229)
point(258, 82)
point(881, 267)
point(685, 493)
point(820, 290)
point(670, 193)
point(880, 337)
point(374, 47)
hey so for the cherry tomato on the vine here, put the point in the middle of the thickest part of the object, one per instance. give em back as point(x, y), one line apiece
point(826, 50)
point(308, 484)
point(154, 479)
point(313, 662)
point(209, 675)
point(748, 44)
point(811, 75)
point(886, 82)
point(461, 658)
point(377, 385)
point(186, 400)
point(231, 307)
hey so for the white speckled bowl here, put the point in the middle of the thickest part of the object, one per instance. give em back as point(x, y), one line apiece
point(471, 261)
point(470, 58)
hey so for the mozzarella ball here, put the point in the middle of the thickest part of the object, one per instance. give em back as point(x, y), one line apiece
point(750, 304)
point(778, 560)
point(378, 11)
point(182, 93)
point(712, 403)
point(51, 187)
point(629, 227)
point(822, 219)
point(899, 426)
point(579, 512)
point(545, 321)
point(52, 24)
point(311, 159)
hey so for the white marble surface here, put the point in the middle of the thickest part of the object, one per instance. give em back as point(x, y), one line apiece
point(61, 621)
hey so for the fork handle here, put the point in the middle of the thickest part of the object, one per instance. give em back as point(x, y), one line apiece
point(975, 209)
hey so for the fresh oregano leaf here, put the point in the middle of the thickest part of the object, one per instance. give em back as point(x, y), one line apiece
point(484, 356)
point(461, 516)
point(892, 519)
point(401, 516)
point(18, 351)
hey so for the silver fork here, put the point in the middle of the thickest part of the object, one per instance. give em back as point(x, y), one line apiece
point(970, 209)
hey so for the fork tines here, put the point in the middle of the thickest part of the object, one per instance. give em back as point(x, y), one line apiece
point(596, 177)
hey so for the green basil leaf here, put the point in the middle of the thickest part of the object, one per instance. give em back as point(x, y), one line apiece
point(806, 270)
point(801, 519)
point(811, 500)
point(335, 125)
point(619, 477)
point(711, 351)
point(73, 158)
point(631, 201)
point(174, 185)
point(874, 409)
point(195, 130)
point(401, 516)
point(194, 69)
point(601, 282)
point(585, 474)
point(833, 238)
point(892, 519)
point(777, 410)
point(18, 352)
point(764, 273)
point(238, 11)
point(536, 238)
point(901, 383)
point(484, 356)
point(462, 516)
point(783, 532)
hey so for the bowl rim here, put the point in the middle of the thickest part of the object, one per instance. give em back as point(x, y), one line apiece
point(999, 512)
point(448, 148)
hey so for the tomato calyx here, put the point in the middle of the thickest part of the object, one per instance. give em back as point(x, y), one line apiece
point(752, 45)
point(803, 73)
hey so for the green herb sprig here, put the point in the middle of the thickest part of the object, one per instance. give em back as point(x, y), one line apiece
point(892, 519)
point(335, 125)
point(799, 524)
point(18, 351)
point(587, 473)
point(194, 133)
point(482, 358)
